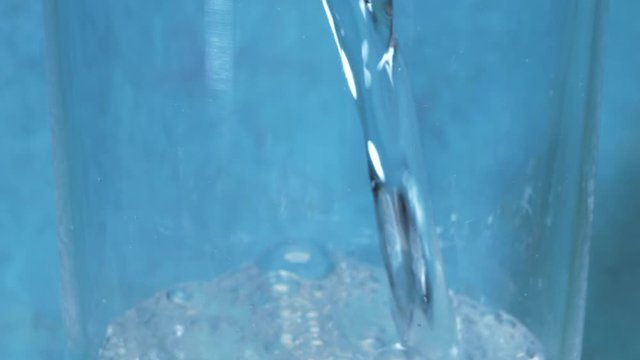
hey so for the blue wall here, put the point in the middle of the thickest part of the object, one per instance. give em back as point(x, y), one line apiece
point(29, 294)
point(613, 313)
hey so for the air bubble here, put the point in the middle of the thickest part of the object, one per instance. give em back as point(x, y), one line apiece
point(306, 260)
point(371, 344)
point(283, 283)
point(249, 315)
point(178, 296)
point(398, 352)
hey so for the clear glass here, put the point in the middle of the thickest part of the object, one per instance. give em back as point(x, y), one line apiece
point(507, 99)
point(213, 196)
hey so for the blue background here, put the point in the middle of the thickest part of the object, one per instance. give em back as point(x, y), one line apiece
point(29, 293)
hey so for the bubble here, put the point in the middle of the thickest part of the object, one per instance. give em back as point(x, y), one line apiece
point(286, 340)
point(283, 283)
point(249, 314)
point(489, 334)
point(306, 260)
point(398, 352)
point(281, 288)
point(371, 344)
point(179, 330)
point(316, 343)
point(178, 296)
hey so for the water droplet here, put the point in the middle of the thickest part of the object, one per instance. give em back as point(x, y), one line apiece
point(306, 260)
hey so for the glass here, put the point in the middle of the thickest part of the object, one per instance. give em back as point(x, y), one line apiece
point(212, 184)
point(507, 99)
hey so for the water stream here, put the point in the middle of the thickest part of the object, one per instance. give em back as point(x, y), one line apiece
point(368, 49)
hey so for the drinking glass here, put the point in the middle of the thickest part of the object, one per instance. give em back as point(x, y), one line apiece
point(212, 190)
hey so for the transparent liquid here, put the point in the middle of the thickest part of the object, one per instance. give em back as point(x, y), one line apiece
point(422, 311)
point(297, 302)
